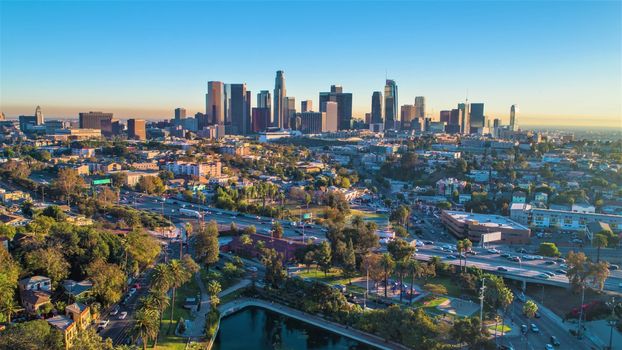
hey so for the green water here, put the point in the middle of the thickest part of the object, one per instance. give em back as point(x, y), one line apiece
point(261, 329)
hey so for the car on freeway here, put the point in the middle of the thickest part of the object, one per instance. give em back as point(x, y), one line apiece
point(563, 266)
point(561, 271)
point(550, 262)
point(521, 250)
point(115, 311)
point(523, 328)
point(449, 257)
point(493, 251)
point(537, 315)
point(555, 341)
point(516, 259)
point(549, 273)
point(548, 347)
point(102, 324)
point(471, 252)
point(544, 276)
point(521, 297)
point(502, 268)
point(560, 260)
point(535, 328)
point(613, 267)
point(506, 255)
point(123, 315)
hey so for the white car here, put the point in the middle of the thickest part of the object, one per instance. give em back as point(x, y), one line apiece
point(493, 251)
point(103, 324)
point(115, 311)
point(123, 315)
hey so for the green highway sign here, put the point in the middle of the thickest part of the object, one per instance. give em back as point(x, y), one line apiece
point(102, 181)
point(306, 216)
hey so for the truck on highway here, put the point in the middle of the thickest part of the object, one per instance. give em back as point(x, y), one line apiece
point(190, 212)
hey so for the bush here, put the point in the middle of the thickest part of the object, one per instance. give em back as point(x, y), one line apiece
point(211, 322)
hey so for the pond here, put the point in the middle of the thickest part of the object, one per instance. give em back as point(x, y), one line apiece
point(261, 329)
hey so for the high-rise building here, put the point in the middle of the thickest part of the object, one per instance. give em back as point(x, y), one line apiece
point(239, 109)
point(513, 123)
point(289, 111)
point(444, 116)
point(407, 114)
point(264, 99)
point(496, 123)
point(477, 116)
point(455, 118)
point(344, 105)
point(93, 120)
point(312, 122)
point(136, 129)
point(215, 103)
point(332, 122)
point(367, 118)
point(39, 116)
point(279, 97)
point(465, 117)
point(306, 106)
point(180, 113)
point(376, 107)
point(390, 104)
point(260, 119)
point(420, 107)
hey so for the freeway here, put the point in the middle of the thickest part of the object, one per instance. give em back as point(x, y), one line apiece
point(526, 270)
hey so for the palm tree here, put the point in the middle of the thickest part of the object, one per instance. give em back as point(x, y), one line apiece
point(530, 308)
point(10, 307)
point(599, 241)
point(414, 267)
point(460, 249)
point(180, 276)
point(506, 297)
point(466, 245)
point(388, 265)
point(146, 324)
point(160, 301)
point(599, 272)
point(161, 278)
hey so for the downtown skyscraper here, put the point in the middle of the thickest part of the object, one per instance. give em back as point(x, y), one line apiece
point(376, 107)
point(215, 104)
point(239, 109)
point(390, 104)
point(280, 92)
point(344, 105)
point(477, 116)
point(513, 124)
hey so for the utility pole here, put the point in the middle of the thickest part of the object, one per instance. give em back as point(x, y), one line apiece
point(612, 322)
point(581, 310)
point(481, 304)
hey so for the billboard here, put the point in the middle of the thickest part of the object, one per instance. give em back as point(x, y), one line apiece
point(102, 181)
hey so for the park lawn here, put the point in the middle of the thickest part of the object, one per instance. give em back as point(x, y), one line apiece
point(334, 276)
point(453, 289)
point(317, 211)
point(367, 215)
point(171, 341)
point(224, 282)
point(434, 302)
point(500, 328)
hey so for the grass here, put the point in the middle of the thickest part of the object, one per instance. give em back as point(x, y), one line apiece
point(334, 276)
point(434, 302)
point(171, 341)
point(500, 328)
point(367, 215)
point(453, 289)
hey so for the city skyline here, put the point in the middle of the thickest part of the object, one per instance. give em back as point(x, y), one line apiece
point(563, 69)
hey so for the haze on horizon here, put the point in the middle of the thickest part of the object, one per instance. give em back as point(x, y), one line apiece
point(559, 61)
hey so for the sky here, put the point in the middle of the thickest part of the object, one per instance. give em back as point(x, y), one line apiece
point(560, 61)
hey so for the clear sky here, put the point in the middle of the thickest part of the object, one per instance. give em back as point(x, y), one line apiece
point(560, 61)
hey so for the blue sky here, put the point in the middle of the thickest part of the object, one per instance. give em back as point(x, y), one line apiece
point(559, 61)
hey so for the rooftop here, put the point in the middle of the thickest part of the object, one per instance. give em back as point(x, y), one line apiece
point(60, 322)
point(492, 221)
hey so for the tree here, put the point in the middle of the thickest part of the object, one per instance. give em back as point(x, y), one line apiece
point(142, 248)
point(435, 288)
point(49, 262)
point(9, 274)
point(309, 259)
point(150, 185)
point(214, 288)
point(69, 183)
point(206, 244)
point(506, 297)
point(161, 278)
point(530, 308)
point(7, 231)
point(55, 212)
point(273, 262)
point(578, 268)
point(600, 240)
point(324, 257)
point(277, 230)
point(600, 273)
point(31, 335)
point(467, 245)
point(108, 281)
point(467, 330)
point(388, 264)
point(146, 324)
point(88, 339)
point(181, 276)
point(549, 249)
point(349, 261)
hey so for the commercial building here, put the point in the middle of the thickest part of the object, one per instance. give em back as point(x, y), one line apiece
point(180, 113)
point(407, 114)
point(390, 104)
point(289, 111)
point(93, 120)
point(465, 117)
point(376, 107)
point(561, 219)
point(264, 99)
point(239, 109)
point(312, 122)
point(214, 103)
point(493, 228)
point(477, 117)
point(513, 121)
point(260, 119)
point(420, 107)
point(332, 116)
point(136, 129)
point(306, 106)
point(279, 100)
point(344, 105)
point(445, 116)
point(27, 122)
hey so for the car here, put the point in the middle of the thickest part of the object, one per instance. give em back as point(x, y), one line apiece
point(505, 347)
point(340, 287)
point(563, 266)
point(501, 268)
point(555, 341)
point(550, 262)
point(103, 324)
point(521, 250)
point(561, 271)
point(521, 297)
point(523, 328)
point(516, 259)
point(251, 269)
point(548, 273)
point(548, 347)
point(561, 260)
point(493, 251)
point(544, 276)
point(506, 255)
point(535, 328)
point(577, 241)
point(133, 290)
point(471, 252)
point(449, 257)
point(123, 315)
point(613, 267)
point(114, 311)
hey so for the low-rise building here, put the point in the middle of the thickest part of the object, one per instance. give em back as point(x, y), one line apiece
point(561, 219)
point(207, 169)
point(66, 326)
point(473, 226)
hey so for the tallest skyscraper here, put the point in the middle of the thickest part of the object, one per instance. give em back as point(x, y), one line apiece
point(279, 97)
point(390, 104)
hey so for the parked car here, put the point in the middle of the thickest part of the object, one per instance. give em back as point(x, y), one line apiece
point(524, 328)
point(548, 347)
point(535, 328)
